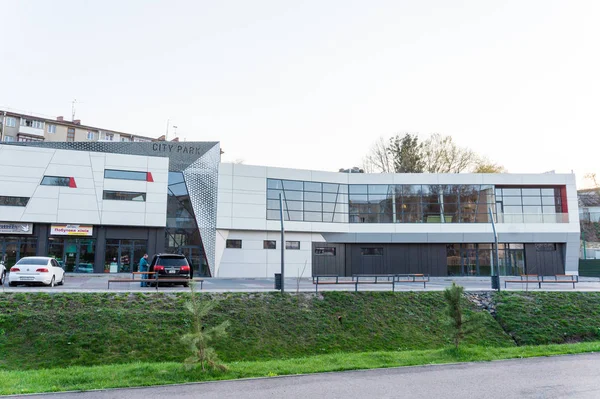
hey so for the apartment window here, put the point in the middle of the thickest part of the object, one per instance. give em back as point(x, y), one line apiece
point(125, 139)
point(32, 123)
point(27, 138)
point(125, 175)
point(124, 196)
point(52, 129)
point(13, 201)
point(292, 245)
point(270, 244)
point(91, 135)
point(233, 244)
point(71, 134)
point(324, 251)
point(109, 136)
point(9, 138)
point(56, 181)
point(11, 122)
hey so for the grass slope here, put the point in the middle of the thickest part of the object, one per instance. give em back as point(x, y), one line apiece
point(534, 318)
point(59, 330)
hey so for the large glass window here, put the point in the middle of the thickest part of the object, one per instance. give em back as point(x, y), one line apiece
point(56, 181)
point(13, 201)
point(14, 248)
point(73, 254)
point(529, 205)
point(125, 175)
point(124, 196)
point(124, 255)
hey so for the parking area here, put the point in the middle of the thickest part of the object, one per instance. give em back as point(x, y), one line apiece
point(99, 282)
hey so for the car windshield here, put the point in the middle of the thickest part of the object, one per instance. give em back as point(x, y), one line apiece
point(171, 261)
point(32, 261)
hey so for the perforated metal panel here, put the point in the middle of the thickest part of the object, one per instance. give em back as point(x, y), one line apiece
point(199, 162)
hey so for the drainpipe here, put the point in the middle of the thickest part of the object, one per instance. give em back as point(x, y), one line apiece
point(3, 127)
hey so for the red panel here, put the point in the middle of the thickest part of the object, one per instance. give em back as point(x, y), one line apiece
point(563, 199)
point(72, 182)
point(149, 177)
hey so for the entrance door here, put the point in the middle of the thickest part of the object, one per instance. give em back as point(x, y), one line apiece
point(516, 262)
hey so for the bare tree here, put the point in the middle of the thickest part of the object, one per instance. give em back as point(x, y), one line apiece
point(592, 177)
point(378, 159)
point(442, 155)
point(406, 153)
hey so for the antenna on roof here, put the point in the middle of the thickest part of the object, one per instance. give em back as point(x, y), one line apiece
point(73, 109)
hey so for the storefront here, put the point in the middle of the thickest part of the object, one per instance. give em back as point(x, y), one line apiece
point(16, 241)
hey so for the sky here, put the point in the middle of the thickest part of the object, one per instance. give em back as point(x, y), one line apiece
point(313, 84)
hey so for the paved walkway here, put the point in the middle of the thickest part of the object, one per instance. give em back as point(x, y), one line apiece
point(548, 377)
point(98, 283)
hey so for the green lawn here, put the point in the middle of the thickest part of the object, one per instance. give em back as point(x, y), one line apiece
point(146, 374)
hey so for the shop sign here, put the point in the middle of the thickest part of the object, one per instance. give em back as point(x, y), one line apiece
point(71, 230)
point(16, 228)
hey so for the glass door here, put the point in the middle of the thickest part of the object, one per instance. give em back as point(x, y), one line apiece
point(516, 262)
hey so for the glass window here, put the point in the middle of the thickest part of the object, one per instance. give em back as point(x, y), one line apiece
point(56, 181)
point(550, 192)
point(51, 128)
point(550, 201)
point(293, 195)
point(371, 251)
point(312, 186)
point(378, 189)
point(13, 201)
point(313, 217)
point(269, 244)
point(91, 135)
point(340, 218)
point(275, 215)
point(328, 217)
point(313, 206)
point(11, 122)
point(512, 201)
point(310, 196)
point(295, 216)
point(358, 189)
point(292, 245)
point(329, 197)
point(532, 200)
point(328, 207)
point(325, 251)
point(511, 192)
point(293, 205)
point(70, 134)
point(272, 183)
point(124, 196)
point(332, 188)
point(358, 198)
point(125, 175)
point(273, 204)
point(292, 185)
point(531, 192)
point(274, 194)
point(233, 244)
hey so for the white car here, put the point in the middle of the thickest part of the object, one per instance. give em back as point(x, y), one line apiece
point(36, 269)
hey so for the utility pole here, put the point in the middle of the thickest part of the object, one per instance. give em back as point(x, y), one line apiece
point(282, 243)
point(496, 274)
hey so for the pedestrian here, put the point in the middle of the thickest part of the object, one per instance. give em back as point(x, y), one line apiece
point(144, 268)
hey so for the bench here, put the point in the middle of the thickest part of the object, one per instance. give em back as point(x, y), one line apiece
point(526, 279)
point(373, 279)
point(154, 280)
point(318, 279)
point(561, 278)
point(411, 278)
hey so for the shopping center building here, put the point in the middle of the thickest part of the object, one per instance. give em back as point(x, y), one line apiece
point(98, 206)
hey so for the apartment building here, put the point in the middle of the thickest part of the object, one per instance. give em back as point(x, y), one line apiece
point(30, 128)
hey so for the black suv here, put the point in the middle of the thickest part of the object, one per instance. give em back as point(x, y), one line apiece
point(172, 266)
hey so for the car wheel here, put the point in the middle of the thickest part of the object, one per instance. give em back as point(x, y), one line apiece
point(51, 282)
point(62, 282)
point(12, 284)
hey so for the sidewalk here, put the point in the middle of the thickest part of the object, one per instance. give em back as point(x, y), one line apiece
point(98, 283)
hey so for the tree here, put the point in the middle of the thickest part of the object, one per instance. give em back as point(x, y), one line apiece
point(441, 154)
point(484, 165)
point(592, 177)
point(198, 339)
point(378, 159)
point(460, 325)
point(406, 154)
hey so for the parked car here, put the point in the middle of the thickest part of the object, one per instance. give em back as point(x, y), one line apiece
point(85, 268)
point(171, 266)
point(36, 270)
point(2, 272)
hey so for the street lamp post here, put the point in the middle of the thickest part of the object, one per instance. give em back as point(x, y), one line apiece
point(496, 273)
point(282, 242)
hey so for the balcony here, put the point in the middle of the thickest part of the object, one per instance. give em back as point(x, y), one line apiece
point(533, 218)
point(32, 131)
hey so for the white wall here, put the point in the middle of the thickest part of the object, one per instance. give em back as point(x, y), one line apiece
point(22, 169)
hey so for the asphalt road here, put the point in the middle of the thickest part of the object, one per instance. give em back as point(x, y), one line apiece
point(576, 376)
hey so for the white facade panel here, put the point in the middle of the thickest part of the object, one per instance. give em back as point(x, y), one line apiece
point(78, 202)
point(135, 186)
point(46, 206)
point(124, 218)
point(78, 217)
point(135, 163)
